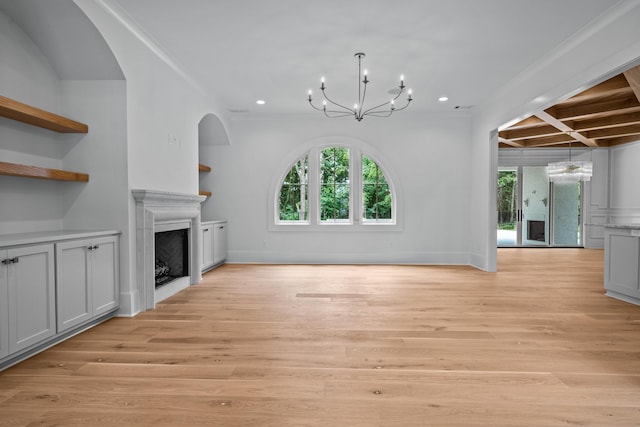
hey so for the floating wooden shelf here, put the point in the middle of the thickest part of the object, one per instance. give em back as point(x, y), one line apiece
point(34, 116)
point(205, 193)
point(14, 169)
point(203, 168)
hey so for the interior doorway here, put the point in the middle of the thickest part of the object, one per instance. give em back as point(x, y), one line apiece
point(534, 212)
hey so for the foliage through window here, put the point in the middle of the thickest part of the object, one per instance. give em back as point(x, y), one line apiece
point(294, 193)
point(334, 184)
point(376, 195)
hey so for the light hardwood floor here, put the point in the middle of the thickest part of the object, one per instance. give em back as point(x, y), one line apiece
point(536, 344)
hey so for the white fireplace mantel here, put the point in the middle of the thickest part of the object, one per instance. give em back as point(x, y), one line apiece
point(155, 208)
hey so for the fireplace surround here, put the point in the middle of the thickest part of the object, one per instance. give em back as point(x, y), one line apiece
point(158, 211)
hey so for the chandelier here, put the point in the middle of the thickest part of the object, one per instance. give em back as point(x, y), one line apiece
point(571, 171)
point(333, 109)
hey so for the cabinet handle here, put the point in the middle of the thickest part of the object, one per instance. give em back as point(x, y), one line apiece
point(93, 248)
point(221, 227)
point(15, 260)
point(6, 261)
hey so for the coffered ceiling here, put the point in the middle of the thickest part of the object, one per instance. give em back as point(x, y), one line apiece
point(605, 115)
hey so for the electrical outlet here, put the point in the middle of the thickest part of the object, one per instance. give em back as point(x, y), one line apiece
point(173, 140)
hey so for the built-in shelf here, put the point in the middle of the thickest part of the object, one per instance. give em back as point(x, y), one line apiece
point(204, 168)
point(14, 169)
point(16, 110)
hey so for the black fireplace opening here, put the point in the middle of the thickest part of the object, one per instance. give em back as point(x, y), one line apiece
point(535, 231)
point(172, 255)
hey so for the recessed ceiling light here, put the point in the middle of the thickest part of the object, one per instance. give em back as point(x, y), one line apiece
point(443, 99)
point(260, 102)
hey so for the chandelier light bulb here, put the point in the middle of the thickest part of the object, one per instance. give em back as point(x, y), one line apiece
point(355, 106)
point(324, 102)
point(401, 77)
point(365, 72)
point(322, 79)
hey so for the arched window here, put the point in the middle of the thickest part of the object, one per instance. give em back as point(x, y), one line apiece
point(335, 184)
point(377, 203)
point(293, 203)
point(335, 190)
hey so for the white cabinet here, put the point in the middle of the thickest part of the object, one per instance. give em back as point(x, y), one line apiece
point(206, 248)
point(219, 242)
point(87, 279)
point(28, 292)
point(622, 262)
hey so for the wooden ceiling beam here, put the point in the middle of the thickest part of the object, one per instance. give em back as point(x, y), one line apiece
point(510, 143)
point(546, 141)
point(614, 132)
point(617, 86)
point(628, 104)
point(528, 122)
point(553, 121)
point(610, 142)
point(605, 122)
point(523, 133)
point(633, 78)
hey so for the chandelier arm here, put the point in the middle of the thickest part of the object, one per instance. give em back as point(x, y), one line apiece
point(335, 103)
point(406, 105)
point(388, 102)
point(339, 114)
point(380, 113)
point(314, 107)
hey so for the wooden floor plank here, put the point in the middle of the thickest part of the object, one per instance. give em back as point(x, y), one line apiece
point(537, 343)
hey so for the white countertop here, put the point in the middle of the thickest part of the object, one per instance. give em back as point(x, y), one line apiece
point(215, 221)
point(51, 236)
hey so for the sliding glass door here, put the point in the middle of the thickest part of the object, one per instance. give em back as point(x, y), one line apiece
point(533, 212)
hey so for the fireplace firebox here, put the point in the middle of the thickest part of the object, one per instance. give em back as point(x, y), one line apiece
point(172, 256)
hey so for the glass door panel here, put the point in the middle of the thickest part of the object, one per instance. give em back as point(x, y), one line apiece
point(566, 213)
point(508, 206)
point(535, 206)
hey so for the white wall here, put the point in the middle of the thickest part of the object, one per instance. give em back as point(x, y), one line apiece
point(599, 51)
point(428, 156)
point(26, 76)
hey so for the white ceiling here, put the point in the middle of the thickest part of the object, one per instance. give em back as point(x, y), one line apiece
point(244, 50)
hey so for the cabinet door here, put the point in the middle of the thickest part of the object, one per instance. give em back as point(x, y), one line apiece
point(31, 290)
point(4, 304)
point(219, 242)
point(73, 295)
point(104, 275)
point(207, 247)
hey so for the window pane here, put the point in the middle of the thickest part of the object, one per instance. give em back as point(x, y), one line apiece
point(376, 194)
point(294, 193)
point(334, 184)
